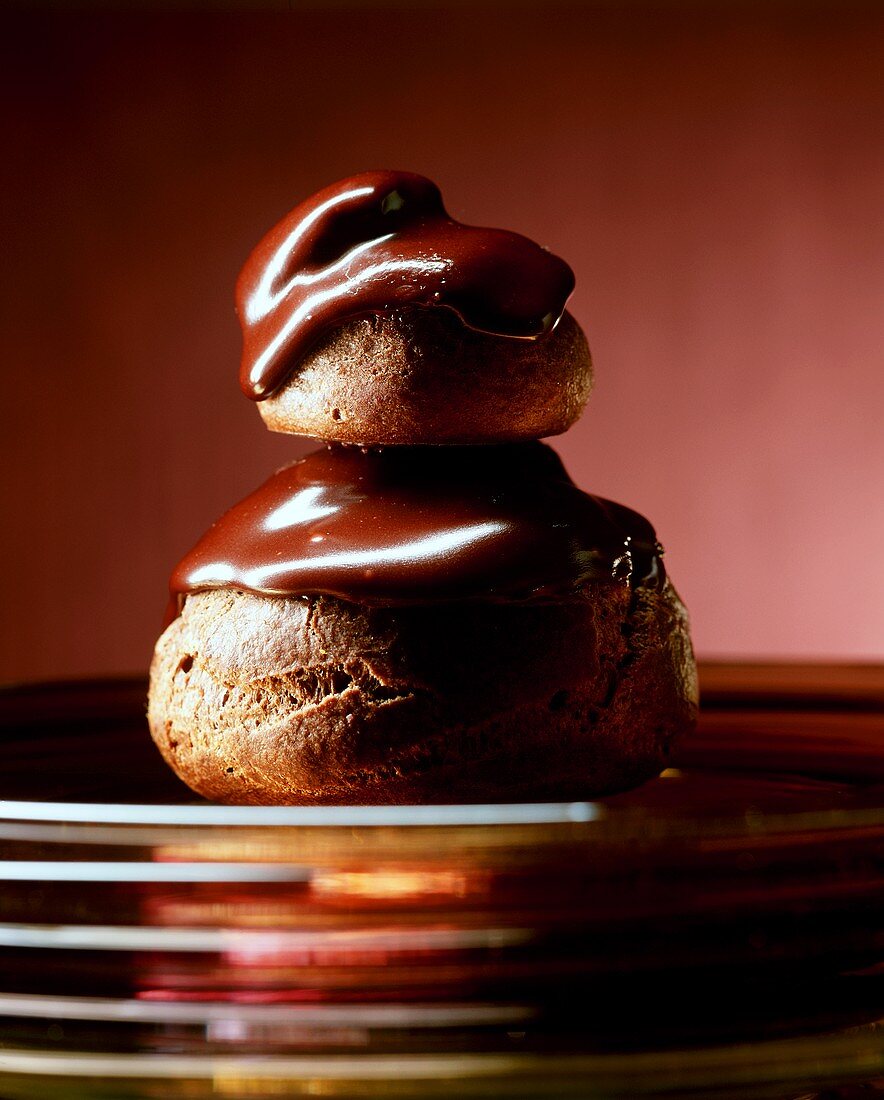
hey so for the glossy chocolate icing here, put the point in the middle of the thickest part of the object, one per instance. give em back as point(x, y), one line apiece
point(423, 524)
point(375, 242)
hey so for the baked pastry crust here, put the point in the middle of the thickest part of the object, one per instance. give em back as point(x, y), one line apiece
point(420, 376)
point(261, 700)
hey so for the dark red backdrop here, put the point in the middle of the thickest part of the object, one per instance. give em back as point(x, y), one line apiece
point(714, 174)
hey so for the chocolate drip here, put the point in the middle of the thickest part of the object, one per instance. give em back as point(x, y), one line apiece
point(423, 524)
point(371, 243)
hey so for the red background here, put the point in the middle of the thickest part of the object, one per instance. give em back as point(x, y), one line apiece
point(714, 174)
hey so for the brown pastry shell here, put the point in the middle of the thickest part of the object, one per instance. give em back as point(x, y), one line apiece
point(265, 700)
point(420, 376)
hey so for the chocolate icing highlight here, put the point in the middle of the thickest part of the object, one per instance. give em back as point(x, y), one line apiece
point(372, 243)
point(421, 525)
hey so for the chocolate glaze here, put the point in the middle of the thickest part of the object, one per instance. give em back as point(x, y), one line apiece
point(376, 241)
point(423, 524)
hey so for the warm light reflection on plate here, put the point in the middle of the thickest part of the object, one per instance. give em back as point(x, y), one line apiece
point(717, 932)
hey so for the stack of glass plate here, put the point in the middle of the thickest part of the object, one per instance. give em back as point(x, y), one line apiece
point(716, 933)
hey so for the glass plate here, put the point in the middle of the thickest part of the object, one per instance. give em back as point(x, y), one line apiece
point(715, 933)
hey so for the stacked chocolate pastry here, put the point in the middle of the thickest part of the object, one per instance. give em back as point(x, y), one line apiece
point(426, 609)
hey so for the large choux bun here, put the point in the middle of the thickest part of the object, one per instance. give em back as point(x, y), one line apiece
point(420, 376)
point(318, 700)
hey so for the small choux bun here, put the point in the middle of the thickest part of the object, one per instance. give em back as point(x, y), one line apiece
point(420, 376)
